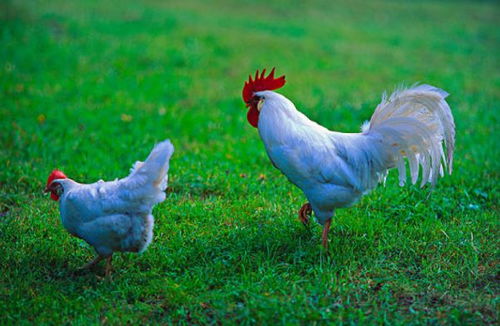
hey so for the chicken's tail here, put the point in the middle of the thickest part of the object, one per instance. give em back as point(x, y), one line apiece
point(414, 123)
point(149, 179)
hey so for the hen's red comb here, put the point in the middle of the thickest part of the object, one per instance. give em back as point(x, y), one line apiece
point(261, 83)
point(56, 174)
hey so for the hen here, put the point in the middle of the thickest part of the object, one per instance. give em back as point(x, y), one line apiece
point(335, 169)
point(116, 215)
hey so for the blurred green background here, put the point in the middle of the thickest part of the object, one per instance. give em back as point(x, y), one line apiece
point(89, 86)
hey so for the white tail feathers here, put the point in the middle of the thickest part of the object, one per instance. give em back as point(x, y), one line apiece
point(155, 168)
point(149, 178)
point(415, 123)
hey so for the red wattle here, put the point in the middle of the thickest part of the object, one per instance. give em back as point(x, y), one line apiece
point(253, 116)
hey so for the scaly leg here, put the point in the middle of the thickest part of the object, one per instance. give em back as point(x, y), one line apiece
point(107, 270)
point(92, 262)
point(324, 238)
point(304, 213)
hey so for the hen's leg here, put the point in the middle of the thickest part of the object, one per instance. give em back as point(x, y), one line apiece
point(324, 237)
point(92, 262)
point(107, 270)
point(304, 213)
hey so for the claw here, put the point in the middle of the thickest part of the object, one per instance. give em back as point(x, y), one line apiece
point(304, 213)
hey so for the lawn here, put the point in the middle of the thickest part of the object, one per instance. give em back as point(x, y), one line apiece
point(89, 87)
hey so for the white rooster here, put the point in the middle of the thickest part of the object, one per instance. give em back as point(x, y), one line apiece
point(116, 215)
point(335, 169)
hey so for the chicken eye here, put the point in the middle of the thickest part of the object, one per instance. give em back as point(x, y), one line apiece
point(260, 103)
point(59, 189)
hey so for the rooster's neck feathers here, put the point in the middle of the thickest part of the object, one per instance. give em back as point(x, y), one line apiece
point(279, 118)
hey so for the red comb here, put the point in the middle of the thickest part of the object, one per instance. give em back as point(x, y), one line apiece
point(261, 83)
point(56, 174)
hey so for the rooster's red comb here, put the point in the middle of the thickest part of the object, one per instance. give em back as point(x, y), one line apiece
point(261, 83)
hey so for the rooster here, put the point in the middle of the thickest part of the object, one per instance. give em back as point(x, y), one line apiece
point(116, 215)
point(335, 169)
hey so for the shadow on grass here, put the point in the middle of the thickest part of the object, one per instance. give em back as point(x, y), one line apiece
point(245, 248)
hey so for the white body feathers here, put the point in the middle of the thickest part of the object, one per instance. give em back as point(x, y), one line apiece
point(116, 215)
point(335, 169)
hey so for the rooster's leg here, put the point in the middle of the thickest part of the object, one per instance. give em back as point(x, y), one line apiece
point(107, 270)
point(324, 238)
point(92, 262)
point(304, 213)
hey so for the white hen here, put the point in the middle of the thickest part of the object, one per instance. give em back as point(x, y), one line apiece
point(335, 169)
point(116, 215)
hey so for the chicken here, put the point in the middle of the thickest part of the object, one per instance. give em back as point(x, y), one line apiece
point(116, 215)
point(335, 169)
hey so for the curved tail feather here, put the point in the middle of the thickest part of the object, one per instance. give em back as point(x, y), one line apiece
point(414, 124)
point(149, 179)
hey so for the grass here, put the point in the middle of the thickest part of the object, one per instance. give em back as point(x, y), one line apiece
point(90, 86)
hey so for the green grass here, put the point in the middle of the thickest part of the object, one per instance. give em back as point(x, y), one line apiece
point(90, 86)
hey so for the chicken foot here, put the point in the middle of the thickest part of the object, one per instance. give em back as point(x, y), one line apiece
point(304, 213)
point(98, 259)
point(92, 263)
point(108, 268)
point(324, 237)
